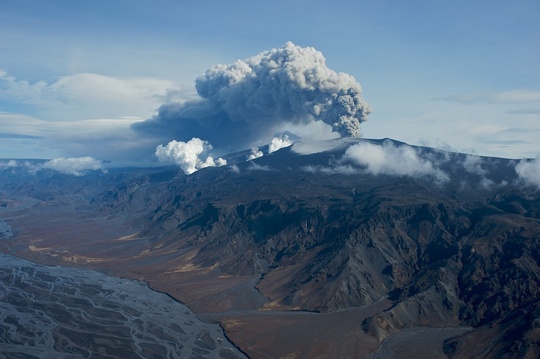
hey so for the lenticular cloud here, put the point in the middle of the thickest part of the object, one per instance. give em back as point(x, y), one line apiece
point(245, 102)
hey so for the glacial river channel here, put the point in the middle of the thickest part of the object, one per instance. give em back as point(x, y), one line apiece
point(58, 312)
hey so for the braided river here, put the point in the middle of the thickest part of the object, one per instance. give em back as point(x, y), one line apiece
point(59, 312)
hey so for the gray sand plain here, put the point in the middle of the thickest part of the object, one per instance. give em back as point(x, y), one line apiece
point(59, 312)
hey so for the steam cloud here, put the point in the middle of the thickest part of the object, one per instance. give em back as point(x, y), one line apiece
point(255, 153)
point(245, 102)
point(279, 142)
point(276, 144)
point(187, 155)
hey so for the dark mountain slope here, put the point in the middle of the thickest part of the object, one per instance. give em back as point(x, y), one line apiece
point(321, 233)
point(456, 253)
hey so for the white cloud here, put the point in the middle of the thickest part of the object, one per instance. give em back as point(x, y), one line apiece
point(474, 164)
point(28, 166)
point(339, 169)
point(79, 115)
point(187, 155)
point(257, 167)
point(479, 166)
point(255, 153)
point(8, 164)
point(529, 171)
point(88, 95)
point(279, 143)
point(109, 139)
point(393, 160)
point(276, 144)
point(221, 162)
point(74, 166)
point(22, 125)
point(501, 130)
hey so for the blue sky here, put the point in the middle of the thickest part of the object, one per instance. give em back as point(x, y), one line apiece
point(460, 75)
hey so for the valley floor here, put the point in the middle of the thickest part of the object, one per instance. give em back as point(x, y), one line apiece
point(80, 239)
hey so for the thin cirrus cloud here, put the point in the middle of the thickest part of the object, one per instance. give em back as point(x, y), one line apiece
point(30, 137)
point(503, 97)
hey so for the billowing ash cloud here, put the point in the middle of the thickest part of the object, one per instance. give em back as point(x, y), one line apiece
point(74, 166)
point(245, 102)
point(188, 155)
point(286, 83)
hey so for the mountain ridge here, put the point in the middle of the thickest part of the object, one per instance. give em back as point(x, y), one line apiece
point(453, 243)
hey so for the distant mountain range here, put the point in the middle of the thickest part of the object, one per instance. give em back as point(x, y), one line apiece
point(409, 236)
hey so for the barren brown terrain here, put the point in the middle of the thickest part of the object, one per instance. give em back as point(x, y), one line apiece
point(259, 328)
point(248, 318)
point(296, 261)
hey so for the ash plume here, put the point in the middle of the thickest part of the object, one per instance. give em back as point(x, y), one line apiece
point(244, 103)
